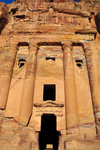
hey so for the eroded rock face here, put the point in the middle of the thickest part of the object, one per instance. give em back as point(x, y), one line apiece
point(3, 16)
point(49, 75)
point(14, 136)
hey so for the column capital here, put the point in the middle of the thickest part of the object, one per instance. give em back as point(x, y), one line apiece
point(33, 43)
point(67, 47)
point(33, 46)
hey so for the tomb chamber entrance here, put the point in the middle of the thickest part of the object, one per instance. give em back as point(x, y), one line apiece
point(48, 136)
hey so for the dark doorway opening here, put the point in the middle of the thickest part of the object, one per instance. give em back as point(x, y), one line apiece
point(48, 134)
point(49, 92)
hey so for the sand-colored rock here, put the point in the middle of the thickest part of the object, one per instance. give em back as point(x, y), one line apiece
point(50, 75)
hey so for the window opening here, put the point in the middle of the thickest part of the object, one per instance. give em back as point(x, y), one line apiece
point(13, 10)
point(89, 19)
point(49, 92)
point(20, 16)
point(48, 137)
point(49, 1)
point(79, 63)
point(92, 13)
point(21, 62)
point(52, 58)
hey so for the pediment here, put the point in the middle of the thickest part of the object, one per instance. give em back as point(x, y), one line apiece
point(49, 104)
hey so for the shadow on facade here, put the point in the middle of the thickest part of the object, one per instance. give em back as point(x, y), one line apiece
point(97, 21)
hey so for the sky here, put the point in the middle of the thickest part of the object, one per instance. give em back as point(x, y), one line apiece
point(10, 1)
point(7, 1)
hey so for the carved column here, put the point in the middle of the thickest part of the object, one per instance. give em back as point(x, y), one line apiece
point(6, 74)
point(70, 91)
point(28, 88)
point(92, 58)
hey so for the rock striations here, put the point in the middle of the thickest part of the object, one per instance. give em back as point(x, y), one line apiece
point(50, 75)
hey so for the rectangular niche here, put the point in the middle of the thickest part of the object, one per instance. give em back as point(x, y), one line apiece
point(49, 92)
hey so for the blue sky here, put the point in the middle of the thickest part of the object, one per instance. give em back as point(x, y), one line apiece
point(10, 1)
point(7, 1)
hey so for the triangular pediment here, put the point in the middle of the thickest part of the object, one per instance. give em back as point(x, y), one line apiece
point(49, 104)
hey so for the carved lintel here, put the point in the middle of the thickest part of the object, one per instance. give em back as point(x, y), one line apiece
point(49, 104)
point(57, 114)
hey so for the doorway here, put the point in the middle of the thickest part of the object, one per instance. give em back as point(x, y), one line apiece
point(48, 134)
point(49, 92)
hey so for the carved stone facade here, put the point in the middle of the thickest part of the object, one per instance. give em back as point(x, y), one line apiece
point(50, 75)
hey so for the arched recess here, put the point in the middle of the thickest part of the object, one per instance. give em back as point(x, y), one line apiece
point(18, 76)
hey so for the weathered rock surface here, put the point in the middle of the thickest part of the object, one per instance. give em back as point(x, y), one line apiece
point(14, 136)
point(43, 43)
